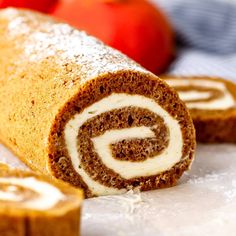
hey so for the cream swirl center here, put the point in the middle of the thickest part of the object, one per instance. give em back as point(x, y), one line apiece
point(46, 195)
point(201, 99)
point(155, 165)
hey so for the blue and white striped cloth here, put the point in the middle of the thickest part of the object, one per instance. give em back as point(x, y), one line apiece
point(206, 30)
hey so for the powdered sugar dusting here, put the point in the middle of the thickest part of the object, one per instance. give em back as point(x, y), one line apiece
point(218, 181)
point(45, 38)
point(129, 201)
point(207, 178)
point(215, 182)
point(231, 193)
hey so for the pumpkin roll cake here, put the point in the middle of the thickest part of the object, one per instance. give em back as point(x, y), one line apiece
point(212, 104)
point(78, 110)
point(33, 205)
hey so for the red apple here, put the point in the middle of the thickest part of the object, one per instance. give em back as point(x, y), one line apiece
point(134, 27)
point(40, 5)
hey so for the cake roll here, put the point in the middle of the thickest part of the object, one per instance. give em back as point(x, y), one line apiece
point(4, 166)
point(78, 110)
point(212, 104)
point(34, 205)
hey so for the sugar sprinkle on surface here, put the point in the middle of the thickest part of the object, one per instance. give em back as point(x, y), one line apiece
point(48, 38)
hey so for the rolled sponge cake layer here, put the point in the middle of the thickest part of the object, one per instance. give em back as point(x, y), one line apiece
point(85, 113)
point(205, 94)
point(212, 105)
point(31, 204)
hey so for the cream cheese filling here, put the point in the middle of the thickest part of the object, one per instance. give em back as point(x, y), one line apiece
point(164, 161)
point(48, 195)
point(225, 102)
point(193, 95)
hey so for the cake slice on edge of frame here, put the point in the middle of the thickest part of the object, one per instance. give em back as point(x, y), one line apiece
point(212, 104)
point(31, 204)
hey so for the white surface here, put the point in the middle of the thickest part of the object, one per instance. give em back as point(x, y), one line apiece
point(204, 202)
point(154, 165)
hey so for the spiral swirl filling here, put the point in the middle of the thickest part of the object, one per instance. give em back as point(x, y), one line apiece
point(203, 94)
point(29, 192)
point(120, 138)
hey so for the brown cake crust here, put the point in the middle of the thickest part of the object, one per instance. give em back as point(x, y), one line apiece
point(62, 219)
point(54, 72)
point(212, 126)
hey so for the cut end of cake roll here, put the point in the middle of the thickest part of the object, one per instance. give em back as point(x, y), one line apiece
point(34, 205)
point(122, 131)
point(212, 104)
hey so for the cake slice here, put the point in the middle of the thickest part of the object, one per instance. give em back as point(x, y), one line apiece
point(33, 205)
point(212, 104)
